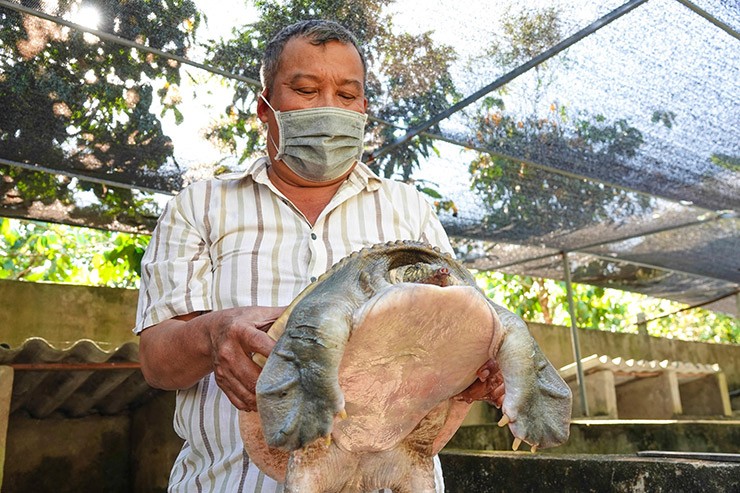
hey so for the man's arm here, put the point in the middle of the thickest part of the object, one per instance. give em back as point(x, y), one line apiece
point(177, 353)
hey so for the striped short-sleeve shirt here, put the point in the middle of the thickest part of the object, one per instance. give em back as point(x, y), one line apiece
point(237, 241)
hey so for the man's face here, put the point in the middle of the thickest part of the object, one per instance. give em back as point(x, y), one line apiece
point(311, 76)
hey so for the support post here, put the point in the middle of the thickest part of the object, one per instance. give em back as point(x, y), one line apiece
point(641, 325)
point(6, 394)
point(574, 336)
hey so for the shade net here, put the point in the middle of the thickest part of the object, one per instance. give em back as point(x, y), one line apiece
point(621, 146)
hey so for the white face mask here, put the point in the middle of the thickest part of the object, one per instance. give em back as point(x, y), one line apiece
point(319, 144)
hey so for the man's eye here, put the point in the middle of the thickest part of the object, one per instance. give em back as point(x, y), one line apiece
point(305, 91)
point(348, 97)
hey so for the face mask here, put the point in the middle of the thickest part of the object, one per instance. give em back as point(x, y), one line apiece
point(319, 144)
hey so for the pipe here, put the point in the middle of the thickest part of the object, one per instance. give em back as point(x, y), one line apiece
point(124, 365)
point(574, 336)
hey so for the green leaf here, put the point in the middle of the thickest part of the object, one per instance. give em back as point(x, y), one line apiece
point(431, 192)
point(178, 116)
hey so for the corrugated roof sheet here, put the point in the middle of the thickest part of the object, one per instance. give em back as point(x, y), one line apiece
point(77, 380)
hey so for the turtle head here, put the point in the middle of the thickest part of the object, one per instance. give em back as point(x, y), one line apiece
point(423, 273)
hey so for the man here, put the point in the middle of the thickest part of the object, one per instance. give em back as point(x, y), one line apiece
point(228, 253)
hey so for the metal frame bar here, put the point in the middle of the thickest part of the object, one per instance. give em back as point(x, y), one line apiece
point(715, 217)
point(579, 249)
point(691, 307)
point(80, 176)
point(124, 365)
point(657, 267)
point(508, 77)
point(574, 336)
point(703, 13)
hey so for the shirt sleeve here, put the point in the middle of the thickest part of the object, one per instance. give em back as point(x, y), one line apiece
point(176, 272)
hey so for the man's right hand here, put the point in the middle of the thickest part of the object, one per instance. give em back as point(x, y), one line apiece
point(177, 353)
point(241, 333)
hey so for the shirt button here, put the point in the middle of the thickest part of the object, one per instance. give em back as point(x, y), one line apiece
point(313, 279)
point(313, 236)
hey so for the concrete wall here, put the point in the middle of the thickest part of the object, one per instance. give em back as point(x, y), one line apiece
point(126, 453)
point(493, 472)
point(588, 436)
point(63, 314)
point(68, 455)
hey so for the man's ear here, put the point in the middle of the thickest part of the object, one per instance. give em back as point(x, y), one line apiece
point(262, 108)
point(364, 109)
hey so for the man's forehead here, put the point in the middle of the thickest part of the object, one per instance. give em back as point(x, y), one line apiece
point(298, 65)
point(296, 48)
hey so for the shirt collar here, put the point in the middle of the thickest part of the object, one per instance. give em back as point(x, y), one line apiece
point(364, 176)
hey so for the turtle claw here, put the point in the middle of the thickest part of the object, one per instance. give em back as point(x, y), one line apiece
point(343, 414)
point(503, 421)
point(516, 444)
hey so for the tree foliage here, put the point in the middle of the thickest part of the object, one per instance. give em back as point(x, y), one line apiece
point(74, 102)
point(35, 251)
point(517, 194)
point(546, 301)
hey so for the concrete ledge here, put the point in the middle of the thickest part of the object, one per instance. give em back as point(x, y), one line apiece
point(617, 437)
point(482, 472)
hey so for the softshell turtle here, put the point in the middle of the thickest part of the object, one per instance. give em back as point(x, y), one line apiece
point(360, 390)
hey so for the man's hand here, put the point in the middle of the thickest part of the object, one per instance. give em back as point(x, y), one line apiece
point(239, 334)
point(489, 386)
point(177, 353)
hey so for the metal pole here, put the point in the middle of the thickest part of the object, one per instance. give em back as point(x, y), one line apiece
point(122, 365)
point(82, 176)
point(725, 27)
point(574, 335)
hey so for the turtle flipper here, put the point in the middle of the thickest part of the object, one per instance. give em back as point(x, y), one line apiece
point(537, 403)
point(298, 391)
